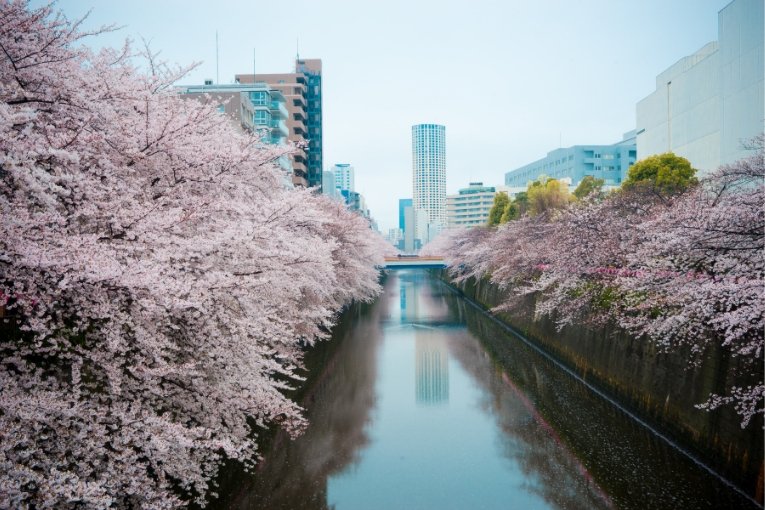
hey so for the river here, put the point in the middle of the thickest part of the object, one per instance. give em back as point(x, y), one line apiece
point(421, 401)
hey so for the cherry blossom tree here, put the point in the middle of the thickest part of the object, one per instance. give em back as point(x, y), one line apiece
point(683, 268)
point(700, 274)
point(159, 282)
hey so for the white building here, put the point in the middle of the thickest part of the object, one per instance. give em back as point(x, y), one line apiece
point(345, 178)
point(470, 206)
point(709, 103)
point(429, 176)
point(328, 185)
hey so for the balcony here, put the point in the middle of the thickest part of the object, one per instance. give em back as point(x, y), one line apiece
point(278, 109)
point(299, 167)
point(299, 181)
point(298, 101)
point(299, 127)
point(279, 126)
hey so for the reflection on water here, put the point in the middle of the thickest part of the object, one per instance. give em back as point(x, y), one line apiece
point(492, 425)
point(432, 369)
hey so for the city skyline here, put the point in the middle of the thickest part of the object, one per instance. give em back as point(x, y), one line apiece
point(545, 72)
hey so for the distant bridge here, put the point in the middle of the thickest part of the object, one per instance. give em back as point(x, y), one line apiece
point(413, 261)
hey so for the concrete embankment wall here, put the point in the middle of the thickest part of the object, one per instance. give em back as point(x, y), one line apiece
point(659, 387)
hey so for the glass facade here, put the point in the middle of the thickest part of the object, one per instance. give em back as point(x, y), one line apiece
point(313, 122)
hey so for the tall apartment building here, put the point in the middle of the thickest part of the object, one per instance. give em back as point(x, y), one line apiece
point(470, 206)
point(607, 162)
point(303, 93)
point(708, 103)
point(429, 175)
point(255, 108)
point(345, 178)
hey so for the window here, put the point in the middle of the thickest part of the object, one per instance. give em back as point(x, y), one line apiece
point(259, 98)
point(262, 117)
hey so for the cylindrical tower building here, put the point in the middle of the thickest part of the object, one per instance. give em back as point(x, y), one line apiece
point(429, 174)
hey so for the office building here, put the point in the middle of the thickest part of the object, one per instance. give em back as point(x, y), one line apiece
point(403, 203)
point(707, 105)
point(303, 93)
point(470, 206)
point(396, 237)
point(328, 186)
point(429, 176)
point(344, 177)
point(607, 162)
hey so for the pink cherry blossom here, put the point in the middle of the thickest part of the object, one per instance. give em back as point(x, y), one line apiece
point(158, 280)
point(685, 270)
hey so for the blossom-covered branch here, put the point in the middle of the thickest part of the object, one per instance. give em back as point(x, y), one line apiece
point(158, 281)
point(681, 266)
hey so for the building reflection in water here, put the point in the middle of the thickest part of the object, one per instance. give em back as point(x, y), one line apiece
point(431, 369)
point(408, 301)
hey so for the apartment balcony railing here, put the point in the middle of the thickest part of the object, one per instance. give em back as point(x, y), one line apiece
point(279, 126)
point(298, 100)
point(279, 110)
point(298, 124)
point(299, 167)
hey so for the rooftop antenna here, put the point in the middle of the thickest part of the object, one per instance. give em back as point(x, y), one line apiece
point(217, 75)
point(253, 64)
point(297, 52)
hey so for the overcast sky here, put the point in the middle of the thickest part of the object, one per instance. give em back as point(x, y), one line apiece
point(510, 80)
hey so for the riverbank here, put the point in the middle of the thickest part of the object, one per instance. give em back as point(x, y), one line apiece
point(660, 388)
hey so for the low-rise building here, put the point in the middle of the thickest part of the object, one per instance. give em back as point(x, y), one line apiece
point(607, 162)
point(470, 206)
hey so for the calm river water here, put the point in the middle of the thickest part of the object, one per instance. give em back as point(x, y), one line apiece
point(421, 401)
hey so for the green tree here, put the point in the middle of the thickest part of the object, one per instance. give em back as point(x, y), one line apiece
point(546, 195)
point(589, 185)
point(522, 203)
point(501, 200)
point(666, 174)
point(510, 213)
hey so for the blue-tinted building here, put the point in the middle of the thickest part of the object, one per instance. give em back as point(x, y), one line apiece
point(607, 162)
point(311, 69)
point(403, 203)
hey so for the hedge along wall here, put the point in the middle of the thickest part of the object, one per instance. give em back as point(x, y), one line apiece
point(660, 387)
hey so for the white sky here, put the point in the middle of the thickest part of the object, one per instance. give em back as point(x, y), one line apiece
point(509, 79)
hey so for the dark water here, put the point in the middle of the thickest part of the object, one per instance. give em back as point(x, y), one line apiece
point(422, 402)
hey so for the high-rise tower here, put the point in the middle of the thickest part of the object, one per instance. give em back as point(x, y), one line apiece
point(429, 175)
